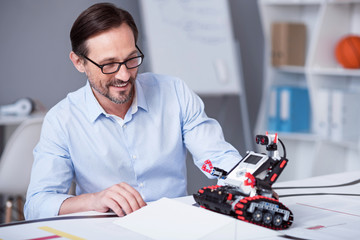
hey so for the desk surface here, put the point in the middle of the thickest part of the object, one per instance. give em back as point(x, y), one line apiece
point(325, 207)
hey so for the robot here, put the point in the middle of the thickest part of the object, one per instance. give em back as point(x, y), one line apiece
point(245, 191)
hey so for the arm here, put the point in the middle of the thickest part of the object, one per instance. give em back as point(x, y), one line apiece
point(203, 136)
point(52, 174)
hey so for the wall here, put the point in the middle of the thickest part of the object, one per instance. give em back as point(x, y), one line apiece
point(34, 62)
point(35, 46)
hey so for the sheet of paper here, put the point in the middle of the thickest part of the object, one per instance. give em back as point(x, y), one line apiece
point(171, 219)
point(332, 212)
point(87, 228)
point(243, 231)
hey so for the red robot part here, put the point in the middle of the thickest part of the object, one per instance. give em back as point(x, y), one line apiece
point(207, 166)
point(250, 181)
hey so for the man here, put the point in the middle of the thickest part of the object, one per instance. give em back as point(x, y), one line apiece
point(122, 137)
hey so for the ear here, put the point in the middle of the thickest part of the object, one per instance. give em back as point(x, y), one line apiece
point(77, 61)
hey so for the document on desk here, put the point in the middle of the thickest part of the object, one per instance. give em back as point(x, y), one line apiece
point(171, 219)
point(325, 207)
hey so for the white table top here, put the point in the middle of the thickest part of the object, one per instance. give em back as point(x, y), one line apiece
point(325, 207)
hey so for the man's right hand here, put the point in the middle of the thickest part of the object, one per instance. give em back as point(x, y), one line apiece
point(121, 198)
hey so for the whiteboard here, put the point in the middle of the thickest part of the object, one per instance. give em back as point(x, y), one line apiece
point(193, 40)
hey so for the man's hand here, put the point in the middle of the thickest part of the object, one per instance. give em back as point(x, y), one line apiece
point(121, 198)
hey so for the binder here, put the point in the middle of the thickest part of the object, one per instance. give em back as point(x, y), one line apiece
point(273, 115)
point(345, 115)
point(292, 113)
point(322, 120)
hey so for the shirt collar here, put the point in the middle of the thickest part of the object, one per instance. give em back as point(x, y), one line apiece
point(140, 95)
point(95, 109)
point(93, 106)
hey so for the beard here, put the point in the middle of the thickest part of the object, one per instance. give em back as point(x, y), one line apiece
point(120, 98)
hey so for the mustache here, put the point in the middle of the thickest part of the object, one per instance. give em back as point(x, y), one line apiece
point(118, 81)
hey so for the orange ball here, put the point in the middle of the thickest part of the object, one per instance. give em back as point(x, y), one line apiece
point(347, 51)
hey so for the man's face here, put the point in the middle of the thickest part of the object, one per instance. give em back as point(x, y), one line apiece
point(114, 45)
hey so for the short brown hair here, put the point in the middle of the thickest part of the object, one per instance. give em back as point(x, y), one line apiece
point(98, 18)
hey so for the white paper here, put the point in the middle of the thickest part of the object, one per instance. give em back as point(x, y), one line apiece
point(171, 219)
point(323, 216)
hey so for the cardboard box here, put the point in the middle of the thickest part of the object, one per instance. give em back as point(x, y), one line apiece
point(288, 43)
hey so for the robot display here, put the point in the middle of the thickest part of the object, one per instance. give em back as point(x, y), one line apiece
point(245, 191)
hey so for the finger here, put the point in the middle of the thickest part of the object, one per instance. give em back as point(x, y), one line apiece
point(123, 203)
point(113, 205)
point(126, 198)
point(111, 198)
point(140, 201)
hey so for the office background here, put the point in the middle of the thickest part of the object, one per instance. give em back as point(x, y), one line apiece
point(34, 62)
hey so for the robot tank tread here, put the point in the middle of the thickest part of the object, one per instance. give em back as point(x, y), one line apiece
point(259, 210)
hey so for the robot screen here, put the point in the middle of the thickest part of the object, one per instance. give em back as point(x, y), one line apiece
point(252, 159)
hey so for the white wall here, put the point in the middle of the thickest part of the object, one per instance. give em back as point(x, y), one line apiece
point(35, 45)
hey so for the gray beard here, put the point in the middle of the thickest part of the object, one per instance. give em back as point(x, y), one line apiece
point(113, 99)
point(118, 101)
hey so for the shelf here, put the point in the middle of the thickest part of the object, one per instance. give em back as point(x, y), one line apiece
point(291, 69)
point(336, 71)
point(342, 144)
point(343, 1)
point(293, 2)
point(310, 137)
point(307, 137)
point(332, 88)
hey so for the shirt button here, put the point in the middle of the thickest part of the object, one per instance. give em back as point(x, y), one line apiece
point(141, 185)
point(134, 156)
point(124, 126)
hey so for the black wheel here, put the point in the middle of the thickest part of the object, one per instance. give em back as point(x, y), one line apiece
point(268, 217)
point(277, 220)
point(257, 215)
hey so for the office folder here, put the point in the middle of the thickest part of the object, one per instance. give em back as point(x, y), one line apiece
point(322, 121)
point(345, 115)
point(292, 109)
point(273, 115)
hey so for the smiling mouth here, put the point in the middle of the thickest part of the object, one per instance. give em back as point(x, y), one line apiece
point(121, 84)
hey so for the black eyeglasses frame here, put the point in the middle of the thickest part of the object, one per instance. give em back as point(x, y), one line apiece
point(120, 63)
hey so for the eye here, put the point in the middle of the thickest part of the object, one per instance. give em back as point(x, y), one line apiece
point(110, 67)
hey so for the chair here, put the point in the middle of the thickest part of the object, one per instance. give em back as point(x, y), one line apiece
point(16, 163)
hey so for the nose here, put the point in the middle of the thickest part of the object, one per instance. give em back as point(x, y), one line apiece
point(123, 73)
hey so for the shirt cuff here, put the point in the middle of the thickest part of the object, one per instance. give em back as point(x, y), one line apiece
point(46, 206)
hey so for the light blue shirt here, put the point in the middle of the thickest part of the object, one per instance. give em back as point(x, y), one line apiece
point(146, 149)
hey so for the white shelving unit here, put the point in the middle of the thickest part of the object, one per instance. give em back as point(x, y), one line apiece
point(326, 21)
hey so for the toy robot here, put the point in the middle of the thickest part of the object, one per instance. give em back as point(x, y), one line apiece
point(245, 191)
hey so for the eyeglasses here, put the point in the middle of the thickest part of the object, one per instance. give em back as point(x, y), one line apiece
point(114, 67)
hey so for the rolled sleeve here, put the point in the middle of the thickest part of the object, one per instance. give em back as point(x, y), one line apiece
point(51, 176)
point(43, 205)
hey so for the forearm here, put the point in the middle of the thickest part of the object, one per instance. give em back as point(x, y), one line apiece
point(79, 203)
point(121, 198)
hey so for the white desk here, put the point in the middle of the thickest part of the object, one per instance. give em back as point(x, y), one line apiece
point(315, 217)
